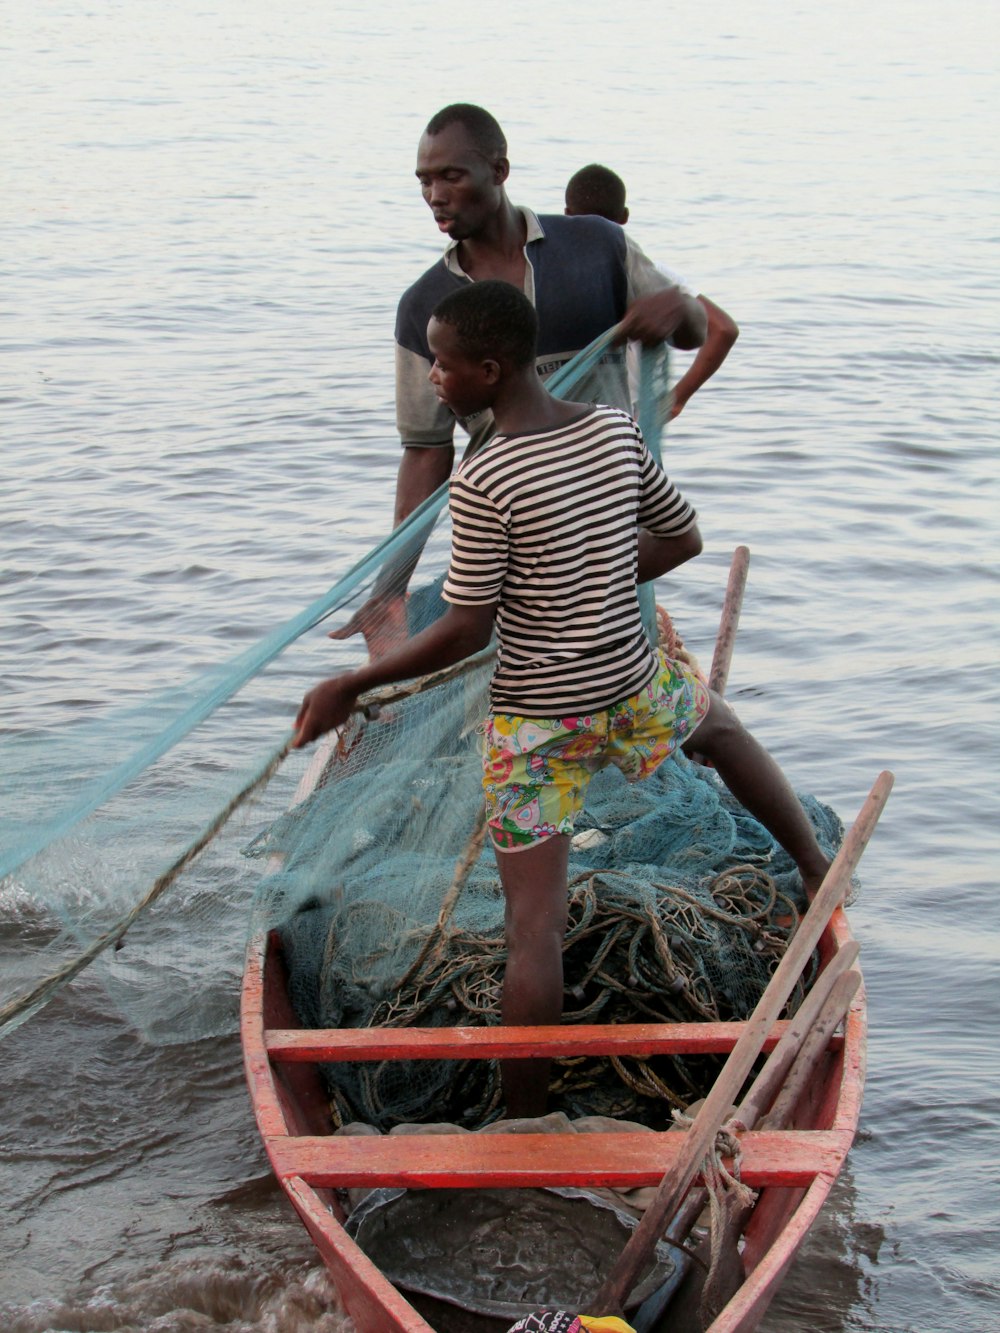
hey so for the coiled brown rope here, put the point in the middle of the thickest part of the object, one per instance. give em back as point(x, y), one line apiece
point(626, 959)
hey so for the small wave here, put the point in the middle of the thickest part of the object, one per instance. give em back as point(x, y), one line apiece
point(189, 1297)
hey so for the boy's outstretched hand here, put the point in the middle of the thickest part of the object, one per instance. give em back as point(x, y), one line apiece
point(326, 706)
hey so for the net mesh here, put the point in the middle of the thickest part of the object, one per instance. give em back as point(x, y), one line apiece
point(368, 857)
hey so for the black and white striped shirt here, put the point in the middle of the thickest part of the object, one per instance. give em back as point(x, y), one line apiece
point(546, 524)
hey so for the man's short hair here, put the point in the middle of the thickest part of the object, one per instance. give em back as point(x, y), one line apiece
point(492, 321)
point(485, 133)
point(596, 189)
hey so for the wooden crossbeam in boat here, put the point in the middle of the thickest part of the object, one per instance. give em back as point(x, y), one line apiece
point(478, 1161)
point(643, 1040)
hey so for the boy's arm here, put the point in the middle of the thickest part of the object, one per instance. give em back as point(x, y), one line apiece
point(460, 632)
point(659, 555)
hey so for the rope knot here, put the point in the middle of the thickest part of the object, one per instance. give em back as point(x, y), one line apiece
point(719, 1178)
point(728, 1197)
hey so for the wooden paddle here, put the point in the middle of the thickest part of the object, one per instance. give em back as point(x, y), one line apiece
point(814, 1046)
point(772, 1078)
point(716, 1107)
point(729, 620)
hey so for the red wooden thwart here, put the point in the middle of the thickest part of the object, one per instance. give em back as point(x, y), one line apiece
point(639, 1040)
point(618, 1160)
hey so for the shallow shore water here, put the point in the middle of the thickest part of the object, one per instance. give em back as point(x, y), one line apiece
point(209, 216)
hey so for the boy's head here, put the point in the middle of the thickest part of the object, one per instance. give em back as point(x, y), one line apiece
point(480, 335)
point(597, 189)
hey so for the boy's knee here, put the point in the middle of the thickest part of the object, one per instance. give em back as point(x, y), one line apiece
point(719, 727)
point(528, 933)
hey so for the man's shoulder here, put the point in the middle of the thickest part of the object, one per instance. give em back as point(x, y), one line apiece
point(617, 423)
point(598, 417)
point(433, 284)
point(617, 414)
point(417, 302)
point(586, 229)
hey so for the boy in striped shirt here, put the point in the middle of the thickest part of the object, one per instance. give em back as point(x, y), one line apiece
point(555, 521)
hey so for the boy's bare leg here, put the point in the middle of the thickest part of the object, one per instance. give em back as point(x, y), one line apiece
point(760, 786)
point(534, 885)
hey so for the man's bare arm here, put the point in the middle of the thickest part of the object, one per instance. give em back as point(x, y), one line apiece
point(421, 472)
point(722, 334)
point(382, 619)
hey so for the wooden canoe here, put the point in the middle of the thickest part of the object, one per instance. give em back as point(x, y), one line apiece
point(792, 1168)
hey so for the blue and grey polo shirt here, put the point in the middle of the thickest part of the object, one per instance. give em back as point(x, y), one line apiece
point(581, 275)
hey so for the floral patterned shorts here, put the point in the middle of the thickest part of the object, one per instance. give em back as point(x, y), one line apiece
point(558, 1321)
point(536, 769)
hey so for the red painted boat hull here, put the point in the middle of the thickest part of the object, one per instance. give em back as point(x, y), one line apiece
point(793, 1169)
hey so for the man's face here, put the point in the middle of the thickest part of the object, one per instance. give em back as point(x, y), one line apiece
point(460, 187)
point(464, 385)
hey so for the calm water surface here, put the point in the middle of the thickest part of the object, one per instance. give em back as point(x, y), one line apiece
point(209, 214)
